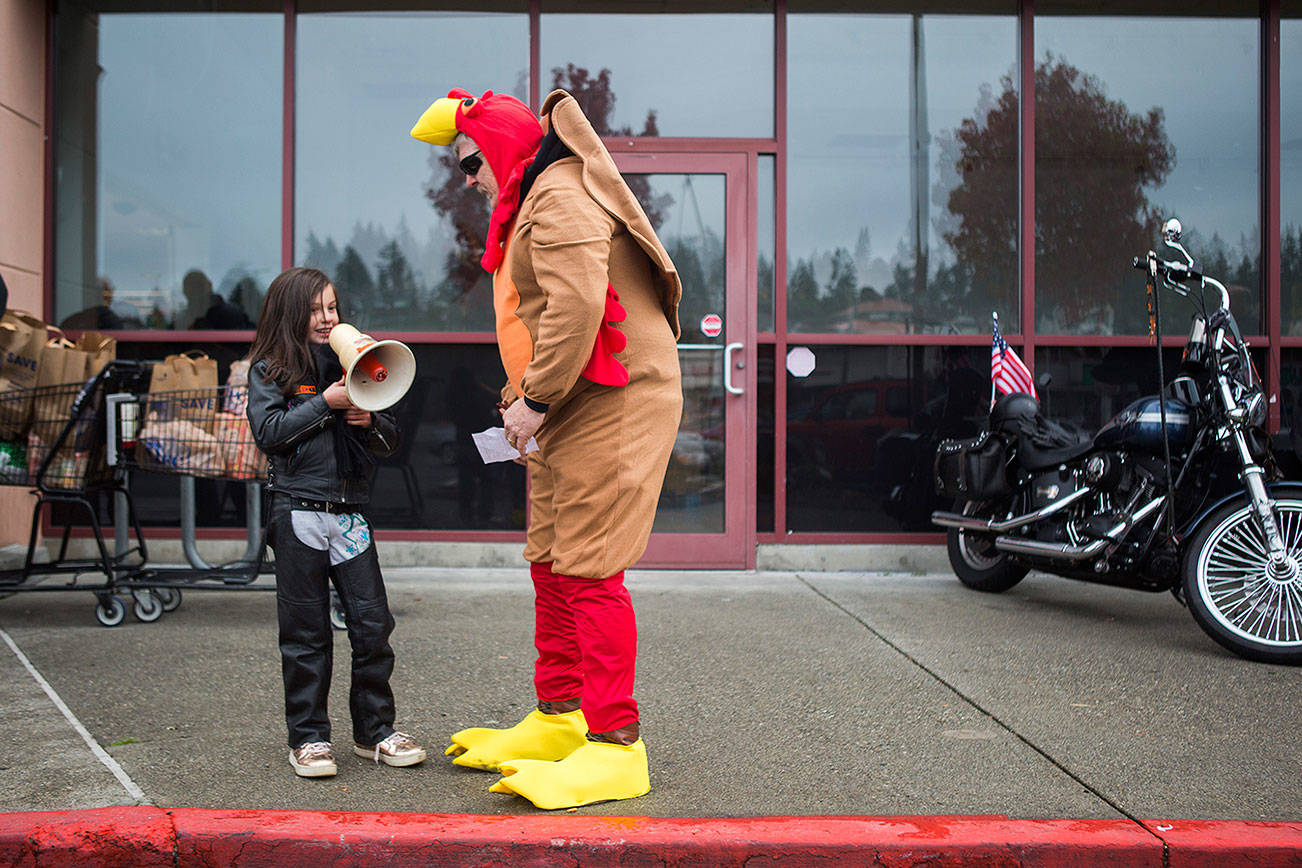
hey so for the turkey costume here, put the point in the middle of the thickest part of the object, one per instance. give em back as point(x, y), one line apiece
point(586, 303)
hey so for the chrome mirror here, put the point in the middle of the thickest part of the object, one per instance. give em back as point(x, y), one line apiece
point(1171, 231)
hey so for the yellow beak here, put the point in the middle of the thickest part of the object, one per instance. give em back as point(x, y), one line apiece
point(438, 125)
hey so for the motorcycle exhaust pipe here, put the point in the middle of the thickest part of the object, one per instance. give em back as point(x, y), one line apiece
point(1067, 552)
point(983, 525)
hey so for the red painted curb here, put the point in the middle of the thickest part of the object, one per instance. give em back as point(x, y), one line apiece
point(1229, 844)
point(100, 838)
point(184, 837)
point(213, 838)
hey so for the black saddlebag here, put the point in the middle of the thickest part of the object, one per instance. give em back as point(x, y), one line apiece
point(975, 469)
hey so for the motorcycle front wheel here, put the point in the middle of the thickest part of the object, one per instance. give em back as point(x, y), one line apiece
point(975, 560)
point(1235, 595)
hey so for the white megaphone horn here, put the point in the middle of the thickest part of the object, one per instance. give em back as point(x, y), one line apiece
point(376, 373)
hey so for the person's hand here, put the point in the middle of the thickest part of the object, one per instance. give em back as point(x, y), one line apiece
point(520, 423)
point(336, 396)
point(357, 416)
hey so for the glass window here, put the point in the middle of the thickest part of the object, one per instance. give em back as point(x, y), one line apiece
point(862, 431)
point(1139, 119)
point(901, 173)
point(435, 481)
point(169, 166)
point(766, 239)
point(686, 69)
point(1290, 159)
point(389, 218)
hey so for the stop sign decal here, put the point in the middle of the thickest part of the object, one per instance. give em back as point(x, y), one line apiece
point(711, 325)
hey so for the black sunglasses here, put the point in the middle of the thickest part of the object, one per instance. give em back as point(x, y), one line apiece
point(471, 163)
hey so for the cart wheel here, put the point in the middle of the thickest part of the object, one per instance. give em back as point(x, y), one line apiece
point(337, 618)
point(147, 608)
point(169, 597)
point(111, 611)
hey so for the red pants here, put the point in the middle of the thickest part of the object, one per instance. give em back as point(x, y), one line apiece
point(586, 636)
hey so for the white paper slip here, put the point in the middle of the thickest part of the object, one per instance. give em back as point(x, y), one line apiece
point(492, 446)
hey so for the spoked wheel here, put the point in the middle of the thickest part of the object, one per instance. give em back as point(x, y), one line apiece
point(147, 607)
point(976, 561)
point(169, 597)
point(338, 619)
point(1237, 595)
point(111, 611)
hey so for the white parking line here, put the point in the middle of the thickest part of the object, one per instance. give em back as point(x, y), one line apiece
point(123, 778)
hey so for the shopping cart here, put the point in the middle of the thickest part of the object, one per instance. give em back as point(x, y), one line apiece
point(193, 434)
point(53, 441)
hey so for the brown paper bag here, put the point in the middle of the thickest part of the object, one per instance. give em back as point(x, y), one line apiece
point(22, 342)
point(184, 386)
point(61, 375)
point(102, 349)
point(243, 458)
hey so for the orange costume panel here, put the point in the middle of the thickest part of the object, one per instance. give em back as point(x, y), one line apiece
point(580, 242)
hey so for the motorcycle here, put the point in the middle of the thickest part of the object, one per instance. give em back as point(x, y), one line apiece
point(1179, 492)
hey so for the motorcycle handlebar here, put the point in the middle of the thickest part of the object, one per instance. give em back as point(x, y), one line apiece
point(1175, 271)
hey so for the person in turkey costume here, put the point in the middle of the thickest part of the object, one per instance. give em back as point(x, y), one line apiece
point(586, 301)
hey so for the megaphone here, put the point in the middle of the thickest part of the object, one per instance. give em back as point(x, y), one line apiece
point(376, 373)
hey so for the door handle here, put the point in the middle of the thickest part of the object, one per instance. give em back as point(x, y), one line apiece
point(727, 369)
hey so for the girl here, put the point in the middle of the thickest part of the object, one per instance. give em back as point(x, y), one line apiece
point(320, 447)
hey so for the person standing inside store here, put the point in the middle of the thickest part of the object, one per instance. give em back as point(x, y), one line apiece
point(321, 449)
point(586, 300)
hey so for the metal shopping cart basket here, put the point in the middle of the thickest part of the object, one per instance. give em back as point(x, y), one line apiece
point(193, 434)
point(53, 441)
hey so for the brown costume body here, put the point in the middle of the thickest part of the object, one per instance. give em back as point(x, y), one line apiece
point(596, 477)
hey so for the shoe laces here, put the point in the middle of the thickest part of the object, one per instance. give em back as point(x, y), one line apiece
point(315, 750)
point(395, 742)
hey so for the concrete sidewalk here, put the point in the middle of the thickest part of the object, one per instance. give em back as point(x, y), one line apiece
point(762, 695)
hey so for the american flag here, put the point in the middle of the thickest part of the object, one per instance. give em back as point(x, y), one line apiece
point(1007, 372)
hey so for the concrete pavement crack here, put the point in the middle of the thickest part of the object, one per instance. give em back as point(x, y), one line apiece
point(979, 707)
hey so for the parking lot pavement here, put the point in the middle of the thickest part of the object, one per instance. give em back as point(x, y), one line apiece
point(762, 694)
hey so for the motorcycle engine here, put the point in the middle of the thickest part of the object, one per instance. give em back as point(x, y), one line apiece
point(1046, 487)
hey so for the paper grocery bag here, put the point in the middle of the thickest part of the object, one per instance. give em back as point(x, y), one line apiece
point(184, 387)
point(61, 376)
point(101, 349)
point(22, 342)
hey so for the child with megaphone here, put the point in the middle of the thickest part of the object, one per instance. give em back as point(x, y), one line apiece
point(320, 446)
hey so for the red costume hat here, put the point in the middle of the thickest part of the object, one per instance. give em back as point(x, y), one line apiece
point(507, 134)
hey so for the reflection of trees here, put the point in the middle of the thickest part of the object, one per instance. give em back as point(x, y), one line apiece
point(1093, 161)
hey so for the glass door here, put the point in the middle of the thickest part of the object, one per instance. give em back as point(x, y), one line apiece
point(698, 204)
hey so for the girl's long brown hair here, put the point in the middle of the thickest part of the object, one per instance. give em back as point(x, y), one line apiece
point(281, 338)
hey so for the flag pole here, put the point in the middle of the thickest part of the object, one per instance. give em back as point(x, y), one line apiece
point(994, 328)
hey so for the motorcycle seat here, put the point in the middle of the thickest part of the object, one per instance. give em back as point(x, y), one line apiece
point(1034, 457)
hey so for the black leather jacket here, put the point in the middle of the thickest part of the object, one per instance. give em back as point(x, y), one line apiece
point(295, 432)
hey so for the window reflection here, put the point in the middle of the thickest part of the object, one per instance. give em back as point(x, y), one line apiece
point(862, 431)
point(668, 73)
point(766, 240)
point(169, 162)
point(435, 481)
point(1290, 158)
point(388, 218)
point(884, 191)
point(1126, 138)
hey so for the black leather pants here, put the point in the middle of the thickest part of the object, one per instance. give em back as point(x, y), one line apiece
point(307, 641)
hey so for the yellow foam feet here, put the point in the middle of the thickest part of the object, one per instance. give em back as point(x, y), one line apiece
point(539, 736)
point(596, 772)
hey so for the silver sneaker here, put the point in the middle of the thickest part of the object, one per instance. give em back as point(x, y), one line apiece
point(316, 759)
point(399, 749)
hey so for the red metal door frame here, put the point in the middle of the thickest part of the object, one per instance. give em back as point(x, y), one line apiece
point(734, 548)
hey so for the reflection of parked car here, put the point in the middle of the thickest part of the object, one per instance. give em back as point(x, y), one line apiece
point(838, 435)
